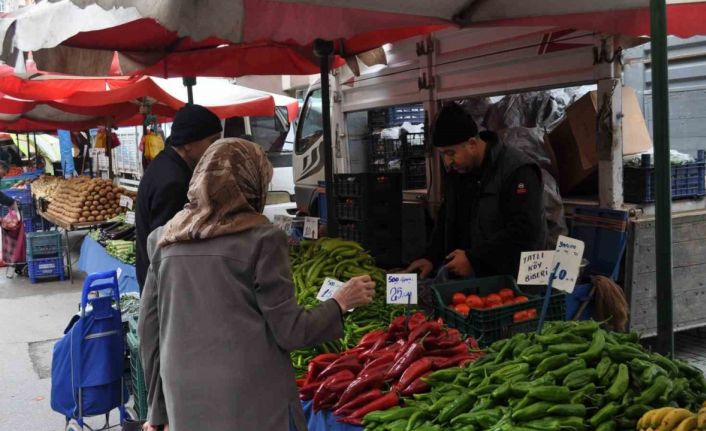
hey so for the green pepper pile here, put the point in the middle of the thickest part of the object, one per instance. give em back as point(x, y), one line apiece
point(312, 262)
point(575, 376)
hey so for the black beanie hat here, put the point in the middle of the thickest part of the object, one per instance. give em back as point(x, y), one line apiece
point(453, 125)
point(193, 123)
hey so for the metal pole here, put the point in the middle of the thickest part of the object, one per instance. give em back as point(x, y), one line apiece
point(663, 170)
point(189, 82)
point(36, 151)
point(324, 49)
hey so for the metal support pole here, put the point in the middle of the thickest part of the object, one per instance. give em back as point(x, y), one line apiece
point(663, 182)
point(189, 82)
point(324, 49)
point(36, 151)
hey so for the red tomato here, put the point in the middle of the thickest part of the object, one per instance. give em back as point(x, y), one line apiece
point(531, 313)
point(474, 301)
point(493, 300)
point(519, 316)
point(508, 302)
point(520, 299)
point(462, 309)
point(506, 294)
point(458, 298)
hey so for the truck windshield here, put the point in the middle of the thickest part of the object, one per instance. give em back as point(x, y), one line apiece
point(311, 127)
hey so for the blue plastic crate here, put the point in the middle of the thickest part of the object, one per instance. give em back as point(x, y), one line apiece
point(46, 268)
point(413, 114)
point(688, 180)
point(26, 210)
point(29, 225)
point(22, 196)
point(42, 245)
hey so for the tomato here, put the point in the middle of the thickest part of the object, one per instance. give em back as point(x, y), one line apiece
point(458, 298)
point(508, 302)
point(519, 316)
point(474, 301)
point(493, 300)
point(462, 309)
point(520, 299)
point(531, 313)
point(506, 294)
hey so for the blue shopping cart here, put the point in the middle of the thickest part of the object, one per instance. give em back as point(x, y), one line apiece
point(88, 361)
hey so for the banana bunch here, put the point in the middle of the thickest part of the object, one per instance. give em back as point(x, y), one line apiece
point(673, 419)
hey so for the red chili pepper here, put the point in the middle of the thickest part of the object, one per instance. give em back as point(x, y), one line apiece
point(307, 392)
point(300, 382)
point(455, 360)
point(343, 363)
point(467, 361)
point(426, 327)
point(331, 386)
point(385, 402)
point(384, 358)
point(444, 341)
point(358, 401)
point(370, 380)
point(379, 345)
point(436, 361)
point(413, 353)
point(452, 351)
point(472, 343)
point(325, 358)
point(415, 320)
point(414, 371)
point(397, 324)
point(418, 386)
point(371, 338)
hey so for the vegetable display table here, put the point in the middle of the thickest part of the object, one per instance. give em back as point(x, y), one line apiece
point(94, 258)
point(324, 420)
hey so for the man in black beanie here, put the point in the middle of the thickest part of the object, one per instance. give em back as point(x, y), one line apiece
point(493, 202)
point(164, 186)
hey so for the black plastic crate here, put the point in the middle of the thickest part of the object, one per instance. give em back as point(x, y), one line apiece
point(413, 144)
point(688, 180)
point(377, 118)
point(358, 209)
point(490, 325)
point(374, 187)
point(382, 147)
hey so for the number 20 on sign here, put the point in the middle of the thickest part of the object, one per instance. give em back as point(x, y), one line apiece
point(401, 289)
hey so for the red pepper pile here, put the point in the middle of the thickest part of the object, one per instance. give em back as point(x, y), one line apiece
point(384, 365)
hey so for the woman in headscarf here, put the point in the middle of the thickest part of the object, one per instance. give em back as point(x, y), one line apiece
point(218, 313)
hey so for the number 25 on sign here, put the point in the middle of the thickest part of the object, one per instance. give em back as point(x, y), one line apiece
point(401, 289)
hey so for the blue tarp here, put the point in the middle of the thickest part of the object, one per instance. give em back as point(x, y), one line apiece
point(324, 420)
point(94, 258)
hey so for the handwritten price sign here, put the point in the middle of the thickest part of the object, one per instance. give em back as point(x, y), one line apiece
point(328, 289)
point(402, 289)
point(535, 267)
point(568, 255)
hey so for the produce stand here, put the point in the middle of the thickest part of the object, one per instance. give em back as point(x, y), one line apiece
point(94, 258)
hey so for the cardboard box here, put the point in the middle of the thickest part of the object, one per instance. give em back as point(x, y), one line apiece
point(574, 141)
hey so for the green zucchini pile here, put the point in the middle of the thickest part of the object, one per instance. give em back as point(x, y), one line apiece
point(575, 376)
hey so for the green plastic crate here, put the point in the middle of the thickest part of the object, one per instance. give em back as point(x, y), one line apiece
point(490, 325)
point(139, 387)
point(6, 183)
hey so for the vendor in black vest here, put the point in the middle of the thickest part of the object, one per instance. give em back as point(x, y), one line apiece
point(163, 188)
point(493, 202)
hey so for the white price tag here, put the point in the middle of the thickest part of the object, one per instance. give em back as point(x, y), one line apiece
point(535, 267)
point(311, 227)
point(568, 256)
point(104, 175)
point(130, 218)
point(401, 289)
point(126, 201)
point(118, 272)
point(283, 222)
point(328, 289)
point(94, 152)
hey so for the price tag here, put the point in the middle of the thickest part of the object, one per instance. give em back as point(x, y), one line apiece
point(94, 152)
point(402, 289)
point(283, 222)
point(118, 272)
point(328, 289)
point(104, 175)
point(311, 227)
point(130, 218)
point(568, 255)
point(126, 201)
point(535, 267)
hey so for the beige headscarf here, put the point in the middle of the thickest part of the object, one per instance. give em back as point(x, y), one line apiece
point(226, 194)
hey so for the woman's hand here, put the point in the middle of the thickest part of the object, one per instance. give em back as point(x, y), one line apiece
point(355, 292)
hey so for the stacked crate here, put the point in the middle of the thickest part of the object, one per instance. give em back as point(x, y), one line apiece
point(25, 205)
point(369, 211)
point(45, 256)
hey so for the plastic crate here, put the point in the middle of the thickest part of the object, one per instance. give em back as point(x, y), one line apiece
point(382, 239)
point(43, 245)
point(413, 144)
point(46, 268)
point(6, 183)
point(30, 225)
point(358, 209)
point(27, 212)
point(490, 325)
point(413, 114)
point(374, 187)
point(22, 196)
point(377, 118)
point(138, 387)
point(688, 180)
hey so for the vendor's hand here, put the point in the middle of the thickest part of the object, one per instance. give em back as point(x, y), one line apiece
point(459, 264)
point(355, 292)
point(424, 266)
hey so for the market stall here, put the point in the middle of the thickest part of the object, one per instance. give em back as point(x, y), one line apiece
point(95, 258)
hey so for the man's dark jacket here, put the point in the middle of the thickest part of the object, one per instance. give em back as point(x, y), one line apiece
point(493, 213)
point(161, 195)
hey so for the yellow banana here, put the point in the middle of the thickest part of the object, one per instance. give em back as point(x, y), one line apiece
point(657, 417)
point(674, 418)
point(701, 419)
point(644, 420)
point(687, 424)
